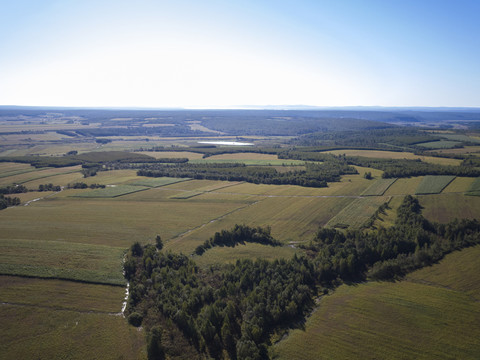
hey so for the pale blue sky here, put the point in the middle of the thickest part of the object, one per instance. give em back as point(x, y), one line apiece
point(225, 53)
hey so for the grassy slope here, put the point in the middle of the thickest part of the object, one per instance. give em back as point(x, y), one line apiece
point(434, 314)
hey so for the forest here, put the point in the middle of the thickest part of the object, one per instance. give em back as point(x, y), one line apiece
point(232, 311)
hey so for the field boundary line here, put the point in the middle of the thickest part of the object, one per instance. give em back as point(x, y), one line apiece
point(57, 308)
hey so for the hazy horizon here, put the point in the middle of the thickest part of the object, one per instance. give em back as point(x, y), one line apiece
point(214, 55)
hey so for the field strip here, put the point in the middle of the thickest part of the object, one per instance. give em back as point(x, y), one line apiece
point(212, 221)
point(47, 176)
point(188, 194)
point(56, 308)
point(17, 172)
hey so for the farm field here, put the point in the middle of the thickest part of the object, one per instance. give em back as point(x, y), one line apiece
point(474, 150)
point(287, 216)
point(354, 215)
point(474, 189)
point(398, 320)
point(394, 155)
point(173, 154)
point(441, 144)
point(379, 187)
point(110, 191)
point(62, 260)
point(69, 295)
point(459, 185)
point(446, 207)
point(41, 173)
point(404, 186)
point(433, 184)
point(156, 182)
point(112, 222)
point(61, 281)
point(32, 332)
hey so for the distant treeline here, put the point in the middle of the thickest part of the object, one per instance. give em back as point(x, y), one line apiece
point(314, 175)
point(231, 311)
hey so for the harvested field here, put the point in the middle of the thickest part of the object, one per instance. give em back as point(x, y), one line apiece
point(110, 191)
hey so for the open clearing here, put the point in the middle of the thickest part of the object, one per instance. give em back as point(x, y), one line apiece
point(225, 254)
point(433, 184)
point(402, 320)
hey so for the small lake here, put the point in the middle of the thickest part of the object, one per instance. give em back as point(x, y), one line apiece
point(234, 143)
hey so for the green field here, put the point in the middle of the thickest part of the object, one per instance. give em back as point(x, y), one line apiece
point(32, 332)
point(404, 186)
point(257, 162)
point(291, 219)
point(69, 295)
point(357, 212)
point(433, 184)
point(157, 182)
point(459, 185)
point(421, 318)
point(441, 144)
point(225, 254)
point(110, 191)
point(474, 188)
point(379, 187)
point(62, 260)
point(446, 207)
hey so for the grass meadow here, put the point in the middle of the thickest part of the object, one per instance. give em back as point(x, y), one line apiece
point(422, 317)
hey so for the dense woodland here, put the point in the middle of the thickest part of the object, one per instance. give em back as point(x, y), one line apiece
point(232, 311)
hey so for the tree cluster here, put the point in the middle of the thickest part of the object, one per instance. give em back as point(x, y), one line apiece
point(240, 234)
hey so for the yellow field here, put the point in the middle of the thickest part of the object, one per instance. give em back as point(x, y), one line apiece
point(291, 219)
point(62, 180)
point(379, 154)
point(459, 185)
point(404, 186)
point(38, 174)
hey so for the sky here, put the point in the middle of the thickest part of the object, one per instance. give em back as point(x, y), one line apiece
point(224, 54)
